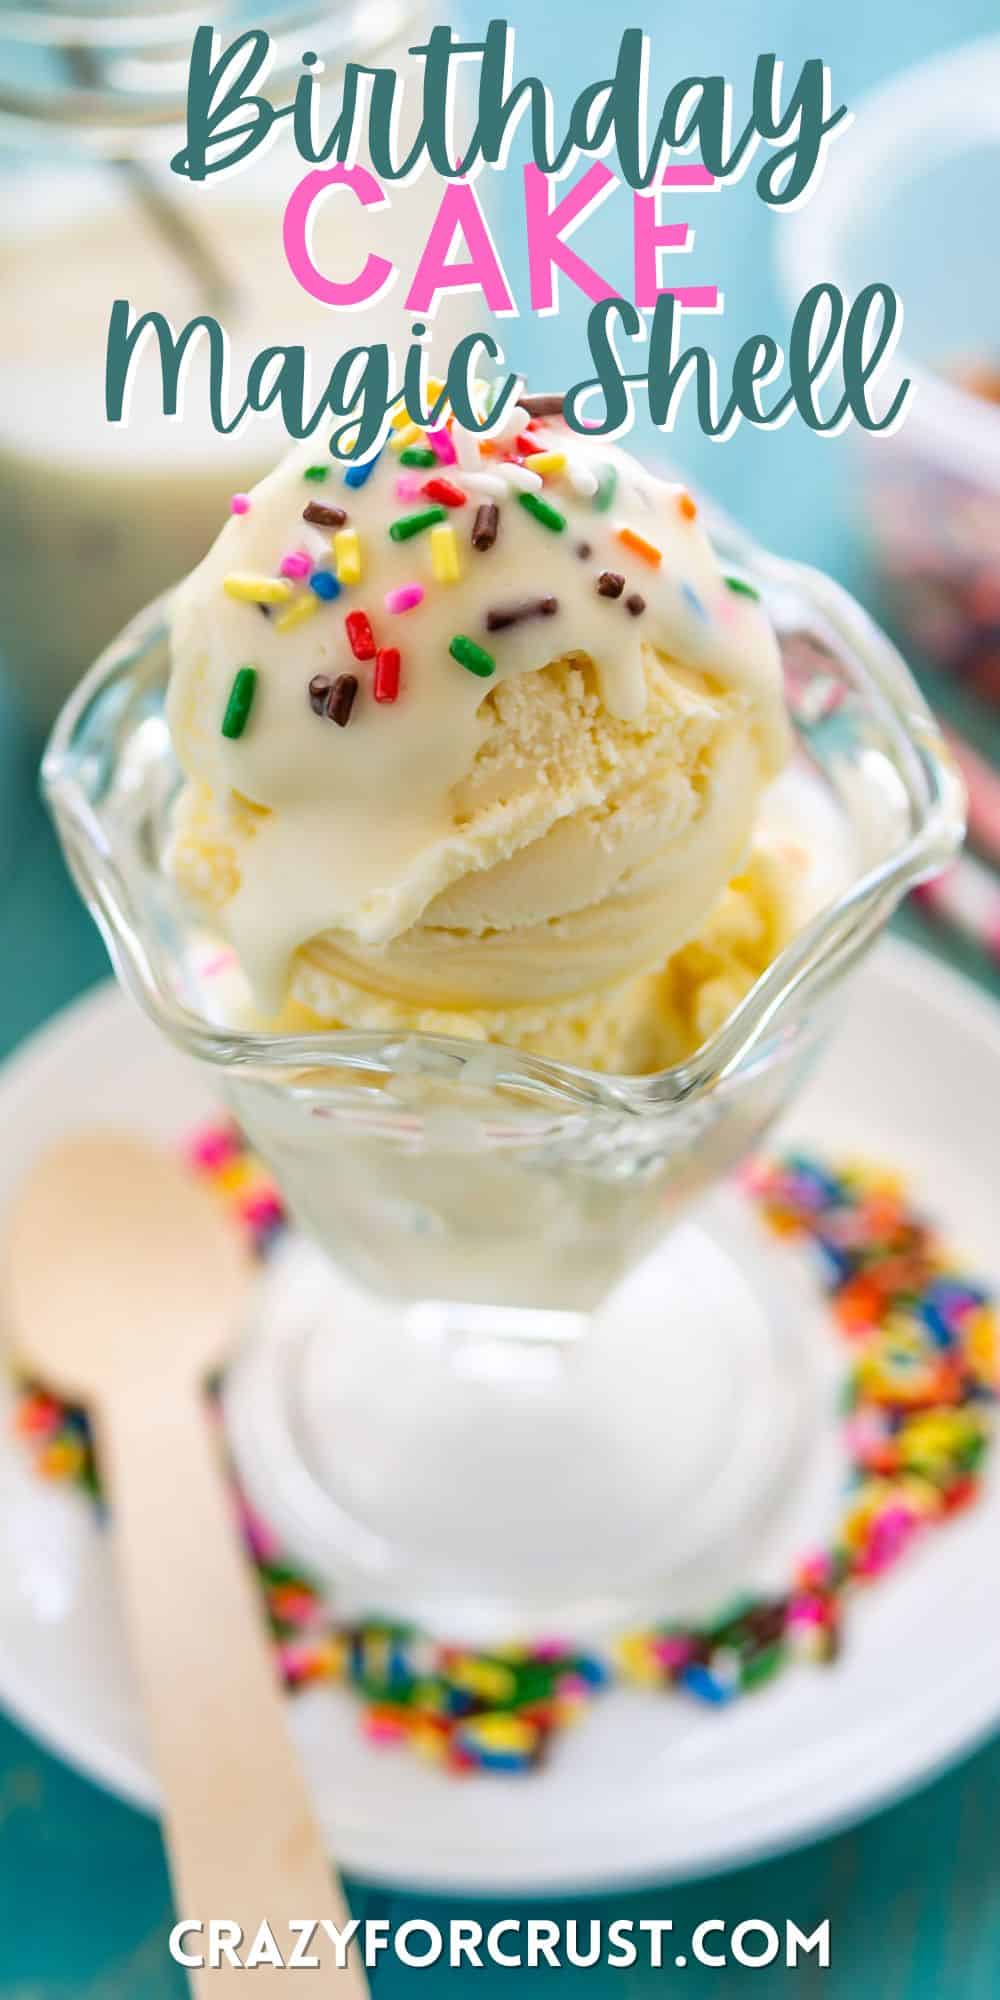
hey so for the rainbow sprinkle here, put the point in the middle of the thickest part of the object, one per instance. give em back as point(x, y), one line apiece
point(356, 475)
point(607, 487)
point(405, 598)
point(240, 702)
point(298, 612)
point(741, 588)
point(540, 510)
point(444, 554)
point(548, 464)
point(347, 555)
point(441, 444)
point(638, 546)
point(443, 490)
point(409, 525)
point(385, 686)
point(256, 589)
point(360, 636)
point(474, 658)
point(240, 503)
point(922, 1341)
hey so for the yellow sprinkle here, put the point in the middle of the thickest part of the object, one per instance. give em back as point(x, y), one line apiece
point(304, 607)
point(637, 1660)
point(401, 417)
point(257, 589)
point(548, 463)
point(347, 555)
point(503, 1732)
point(406, 436)
point(62, 1459)
point(444, 553)
point(486, 1678)
point(236, 1178)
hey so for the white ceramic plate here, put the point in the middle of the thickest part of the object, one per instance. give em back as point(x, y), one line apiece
point(648, 1786)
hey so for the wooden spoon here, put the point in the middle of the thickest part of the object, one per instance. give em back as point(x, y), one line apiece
point(125, 1282)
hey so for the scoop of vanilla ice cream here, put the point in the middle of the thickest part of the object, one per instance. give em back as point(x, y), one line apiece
point(514, 852)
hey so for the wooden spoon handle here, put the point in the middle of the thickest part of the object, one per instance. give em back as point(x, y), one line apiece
point(241, 1836)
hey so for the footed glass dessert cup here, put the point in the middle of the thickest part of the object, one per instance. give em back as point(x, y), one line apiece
point(526, 1362)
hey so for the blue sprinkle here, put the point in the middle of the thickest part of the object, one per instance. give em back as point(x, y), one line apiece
point(325, 584)
point(692, 598)
point(357, 474)
point(836, 1262)
point(944, 1306)
point(699, 1681)
point(459, 1701)
point(497, 1760)
point(591, 1670)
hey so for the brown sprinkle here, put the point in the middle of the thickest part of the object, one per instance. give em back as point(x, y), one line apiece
point(542, 406)
point(610, 584)
point(635, 603)
point(319, 688)
point(324, 517)
point(583, 550)
point(485, 525)
point(334, 698)
point(341, 699)
point(501, 616)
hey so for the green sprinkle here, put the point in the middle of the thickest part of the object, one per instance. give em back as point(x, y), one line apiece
point(316, 472)
point(418, 454)
point(761, 1666)
point(240, 702)
point(549, 517)
point(607, 486)
point(742, 589)
point(414, 524)
point(474, 657)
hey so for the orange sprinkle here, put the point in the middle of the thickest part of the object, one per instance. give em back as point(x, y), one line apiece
point(640, 547)
point(687, 507)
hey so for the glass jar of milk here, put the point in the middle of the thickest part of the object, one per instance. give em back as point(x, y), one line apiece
point(96, 519)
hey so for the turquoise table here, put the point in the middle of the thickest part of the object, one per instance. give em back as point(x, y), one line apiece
point(913, 1896)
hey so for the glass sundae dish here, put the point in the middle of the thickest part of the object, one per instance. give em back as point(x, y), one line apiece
point(447, 816)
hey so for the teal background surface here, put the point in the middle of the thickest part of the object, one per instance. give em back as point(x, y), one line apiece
point(914, 1895)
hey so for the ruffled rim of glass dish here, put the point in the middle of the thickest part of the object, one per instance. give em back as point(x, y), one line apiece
point(820, 952)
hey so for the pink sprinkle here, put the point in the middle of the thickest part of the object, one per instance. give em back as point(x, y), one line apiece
point(296, 564)
point(240, 503)
point(382, 1728)
point(442, 444)
point(214, 1148)
point(297, 1659)
point(573, 1687)
point(260, 1210)
point(674, 1650)
point(408, 486)
point(548, 1649)
point(259, 1537)
point(404, 599)
point(807, 1611)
